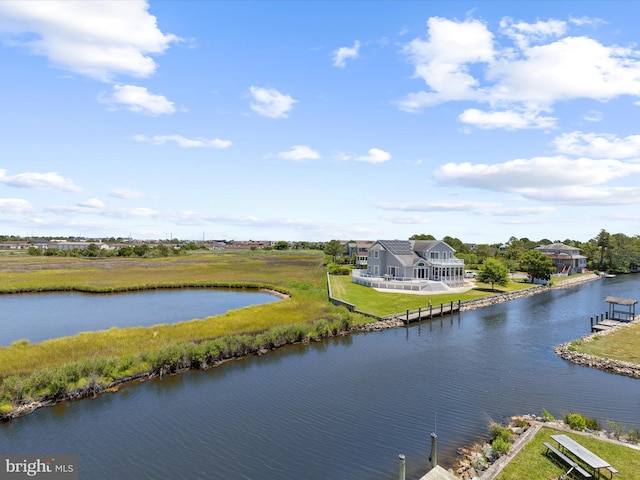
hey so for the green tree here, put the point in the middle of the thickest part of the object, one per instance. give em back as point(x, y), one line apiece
point(483, 252)
point(141, 250)
point(602, 241)
point(333, 248)
point(536, 264)
point(422, 236)
point(281, 245)
point(494, 272)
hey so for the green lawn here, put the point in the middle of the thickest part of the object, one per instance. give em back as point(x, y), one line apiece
point(623, 344)
point(531, 463)
point(371, 301)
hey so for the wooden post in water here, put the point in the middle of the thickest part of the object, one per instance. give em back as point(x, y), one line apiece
point(433, 458)
point(407, 317)
point(591, 321)
point(401, 466)
point(451, 308)
point(441, 309)
point(430, 310)
point(419, 314)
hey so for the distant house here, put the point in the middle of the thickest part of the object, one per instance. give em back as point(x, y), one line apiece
point(361, 251)
point(416, 263)
point(567, 260)
point(64, 245)
point(14, 245)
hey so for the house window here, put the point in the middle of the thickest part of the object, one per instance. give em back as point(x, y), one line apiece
point(376, 270)
point(375, 254)
point(434, 255)
point(392, 271)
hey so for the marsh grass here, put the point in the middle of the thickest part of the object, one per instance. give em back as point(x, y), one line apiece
point(56, 366)
point(532, 463)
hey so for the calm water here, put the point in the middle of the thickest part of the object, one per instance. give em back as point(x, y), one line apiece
point(42, 316)
point(345, 408)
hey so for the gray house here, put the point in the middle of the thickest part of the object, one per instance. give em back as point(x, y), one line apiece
point(413, 261)
point(567, 260)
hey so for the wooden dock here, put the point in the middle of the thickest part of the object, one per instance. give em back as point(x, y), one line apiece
point(427, 313)
point(606, 325)
point(621, 311)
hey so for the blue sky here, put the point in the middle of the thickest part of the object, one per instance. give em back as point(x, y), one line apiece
point(301, 120)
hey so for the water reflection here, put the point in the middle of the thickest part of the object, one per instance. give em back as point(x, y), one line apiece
point(42, 316)
point(346, 407)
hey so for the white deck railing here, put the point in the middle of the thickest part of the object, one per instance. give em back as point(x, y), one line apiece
point(361, 277)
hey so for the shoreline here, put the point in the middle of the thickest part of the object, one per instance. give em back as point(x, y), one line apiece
point(92, 389)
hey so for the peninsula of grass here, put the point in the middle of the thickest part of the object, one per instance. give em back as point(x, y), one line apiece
point(92, 360)
point(533, 464)
point(382, 304)
point(621, 344)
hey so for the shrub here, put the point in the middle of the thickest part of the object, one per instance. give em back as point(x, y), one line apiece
point(547, 416)
point(500, 432)
point(501, 445)
point(592, 423)
point(575, 421)
point(617, 428)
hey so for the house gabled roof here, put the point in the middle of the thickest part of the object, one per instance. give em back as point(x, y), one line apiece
point(556, 246)
point(405, 250)
point(423, 245)
point(401, 249)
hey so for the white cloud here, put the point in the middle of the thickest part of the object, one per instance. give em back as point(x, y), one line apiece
point(588, 195)
point(269, 102)
point(593, 116)
point(341, 55)
point(526, 33)
point(440, 206)
point(92, 203)
point(139, 100)
point(96, 39)
point(126, 193)
point(589, 21)
point(601, 145)
point(198, 142)
point(537, 173)
point(507, 119)
point(549, 179)
point(39, 181)
point(443, 61)
point(375, 156)
point(299, 153)
point(477, 208)
point(14, 205)
point(536, 66)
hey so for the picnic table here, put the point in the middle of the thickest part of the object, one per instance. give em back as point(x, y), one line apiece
point(583, 454)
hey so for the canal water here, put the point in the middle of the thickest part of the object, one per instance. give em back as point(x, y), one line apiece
point(41, 316)
point(345, 408)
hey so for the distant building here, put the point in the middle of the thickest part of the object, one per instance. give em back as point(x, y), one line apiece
point(567, 260)
point(361, 250)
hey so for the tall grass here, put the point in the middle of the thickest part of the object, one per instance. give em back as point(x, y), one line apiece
point(92, 375)
point(92, 360)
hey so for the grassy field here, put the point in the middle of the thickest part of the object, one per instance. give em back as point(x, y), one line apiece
point(387, 303)
point(623, 344)
point(300, 274)
point(531, 463)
